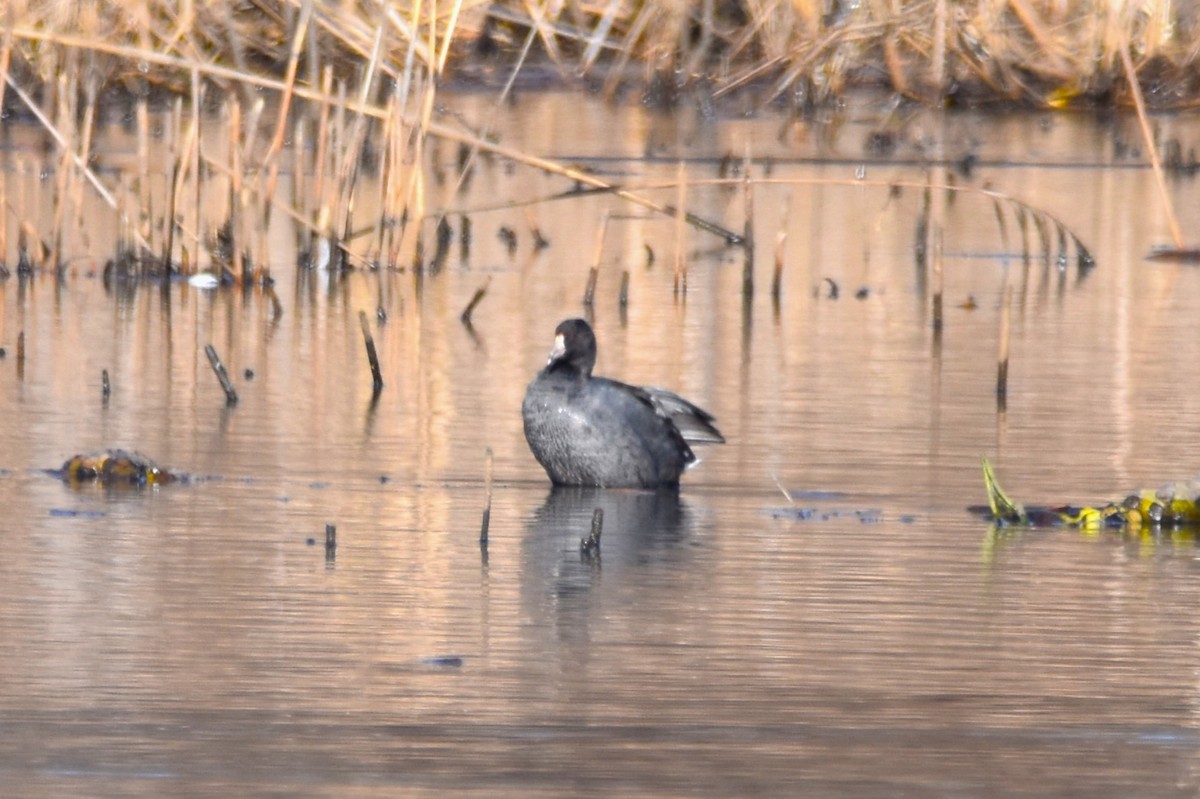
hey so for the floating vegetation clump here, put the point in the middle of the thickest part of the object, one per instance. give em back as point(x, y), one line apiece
point(115, 467)
point(1170, 507)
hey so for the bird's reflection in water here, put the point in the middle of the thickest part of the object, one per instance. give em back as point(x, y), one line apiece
point(564, 586)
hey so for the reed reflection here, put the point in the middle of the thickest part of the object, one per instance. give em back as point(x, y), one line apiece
point(640, 528)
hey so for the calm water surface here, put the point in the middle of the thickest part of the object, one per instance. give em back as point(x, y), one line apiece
point(865, 637)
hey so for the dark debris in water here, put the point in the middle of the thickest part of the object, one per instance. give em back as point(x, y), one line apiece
point(815, 495)
point(862, 515)
point(1185, 255)
point(444, 661)
point(75, 513)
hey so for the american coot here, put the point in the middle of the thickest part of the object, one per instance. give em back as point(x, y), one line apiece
point(591, 431)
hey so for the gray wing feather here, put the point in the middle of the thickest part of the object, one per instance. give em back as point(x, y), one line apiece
point(693, 422)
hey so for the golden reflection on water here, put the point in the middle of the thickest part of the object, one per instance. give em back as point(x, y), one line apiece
point(871, 639)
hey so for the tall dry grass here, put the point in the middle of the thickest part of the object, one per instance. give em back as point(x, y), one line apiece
point(1045, 52)
point(370, 72)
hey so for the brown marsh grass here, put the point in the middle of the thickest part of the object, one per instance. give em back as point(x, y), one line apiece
point(342, 79)
point(1047, 52)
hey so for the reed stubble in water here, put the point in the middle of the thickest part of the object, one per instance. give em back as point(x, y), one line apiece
point(476, 298)
point(1002, 360)
point(748, 232)
point(777, 276)
point(680, 278)
point(589, 546)
point(589, 291)
point(372, 355)
point(489, 460)
point(218, 368)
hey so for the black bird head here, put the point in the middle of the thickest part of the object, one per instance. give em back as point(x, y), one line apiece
point(574, 348)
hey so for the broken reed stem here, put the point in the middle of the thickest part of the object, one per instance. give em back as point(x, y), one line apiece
point(937, 279)
point(589, 291)
point(934, 233)
point(330, 542)
point(169, 245)
point(235, 186)
point(1156, 165)
point(5, 59)
point(780, 249)
point(63, 172)
point(601, 233)
point(1002, 361)
point(372, 356)
point(194, 157)
point(480, 293)
point(84, 138)
point(276, 305)
point(218, 368)
point(300, 198)
point(142, 114)
point(3, 206)
point(383, 227)
point(320, 160)
point(489, 462)
point(777, 276)
point(680, 280)
point(590, 546)
point(937, 61)
point(747, 230)
point(274, 150)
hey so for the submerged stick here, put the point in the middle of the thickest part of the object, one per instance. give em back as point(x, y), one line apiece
point(1002, 360)
point(489, 460)
point(680, 282)
point(780, 251)
point(777, 277)
point(480, 293)
point(218, 368)
point(937, 280)
point(747, 231)
point(145, 211)
point(589, 291)
point(169, 245)
point(372, 356)
point(237, 262)
point(330, 542)
point(590, 546)
point(276, 305)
